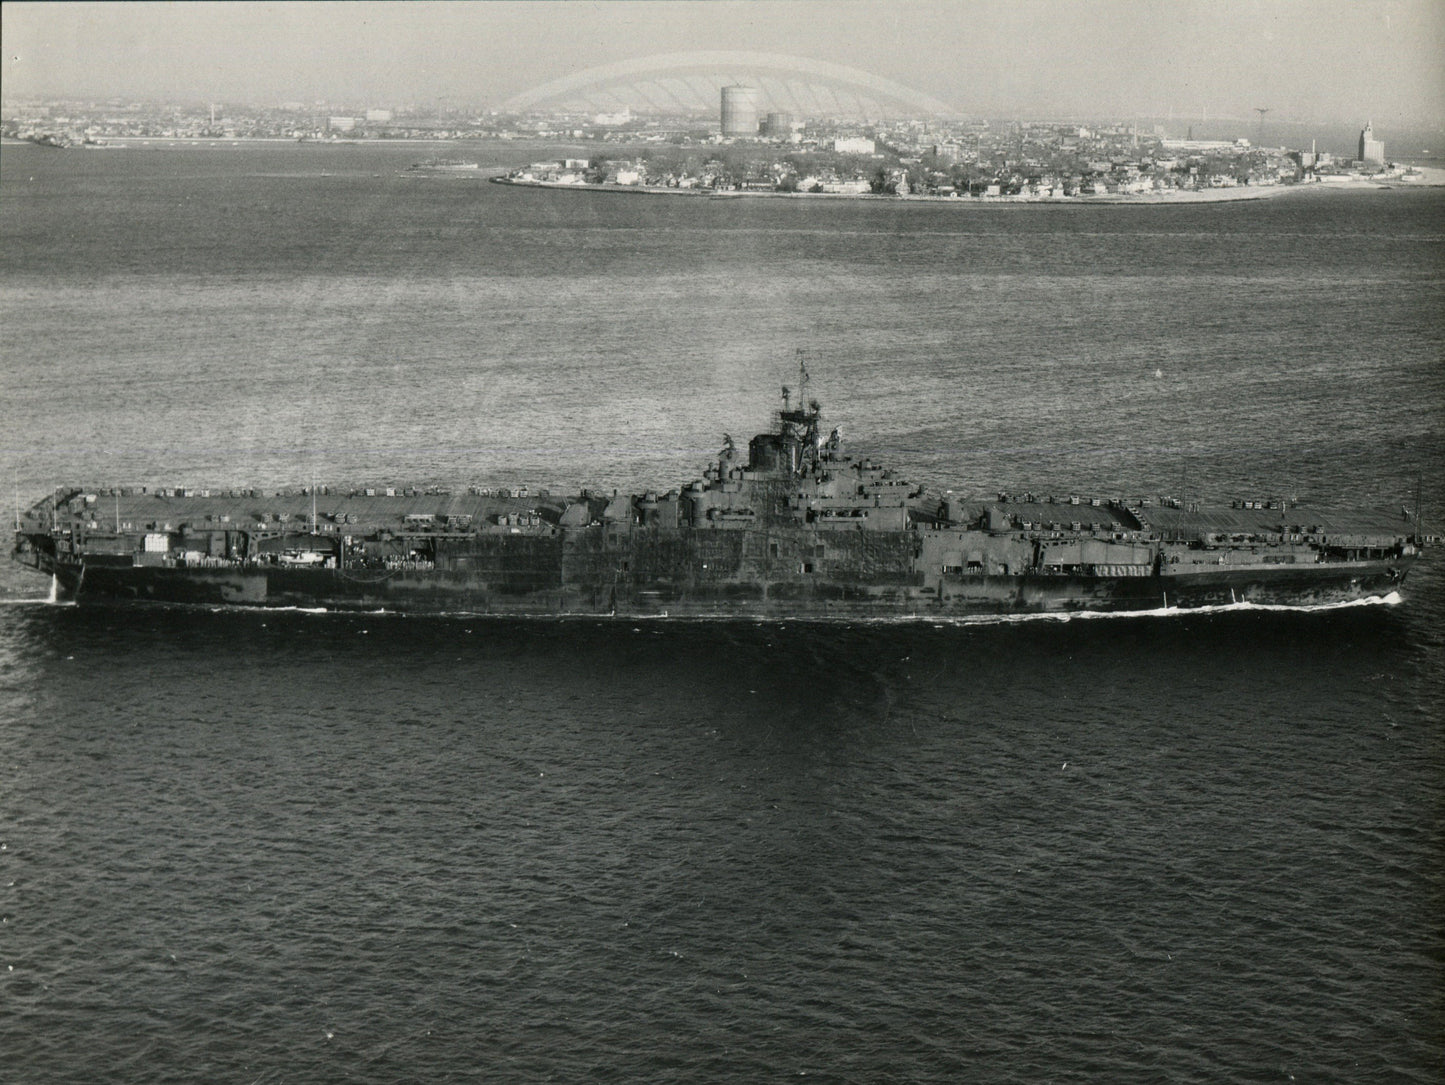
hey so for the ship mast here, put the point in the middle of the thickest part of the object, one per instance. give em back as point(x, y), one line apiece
point(1419, 523)
point(802, 424)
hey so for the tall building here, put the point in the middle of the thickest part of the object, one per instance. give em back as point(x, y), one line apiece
point(1371, 149)
point(739, 111)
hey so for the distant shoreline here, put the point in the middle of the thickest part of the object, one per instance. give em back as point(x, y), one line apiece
point(218, 141)
point(1432, 178)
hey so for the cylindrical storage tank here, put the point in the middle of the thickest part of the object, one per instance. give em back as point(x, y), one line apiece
point(778, 125)
point(739, 111)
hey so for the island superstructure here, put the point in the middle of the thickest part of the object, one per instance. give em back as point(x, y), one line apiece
point(796, 526)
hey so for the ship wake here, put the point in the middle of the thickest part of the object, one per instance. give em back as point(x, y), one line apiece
point(52, 599)
point(1392, 599)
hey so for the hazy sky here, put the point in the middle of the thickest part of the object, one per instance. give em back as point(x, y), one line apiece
point(1309, 60)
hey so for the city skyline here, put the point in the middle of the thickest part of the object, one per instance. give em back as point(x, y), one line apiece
point(1331, 61)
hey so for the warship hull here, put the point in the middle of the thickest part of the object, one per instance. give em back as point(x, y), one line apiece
point(410, 591)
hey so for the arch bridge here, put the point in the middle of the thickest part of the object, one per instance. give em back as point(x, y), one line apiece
point(690, 83)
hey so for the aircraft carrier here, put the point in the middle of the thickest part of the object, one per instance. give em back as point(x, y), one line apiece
point(794, 527)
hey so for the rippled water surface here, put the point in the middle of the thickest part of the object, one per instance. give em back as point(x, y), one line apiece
point(295, 847)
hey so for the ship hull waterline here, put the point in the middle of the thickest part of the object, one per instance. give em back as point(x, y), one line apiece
point(420, 593)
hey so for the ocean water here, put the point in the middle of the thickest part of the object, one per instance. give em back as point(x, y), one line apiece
point(294, 847)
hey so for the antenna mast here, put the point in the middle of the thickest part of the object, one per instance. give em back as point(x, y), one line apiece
point(1419, 524)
